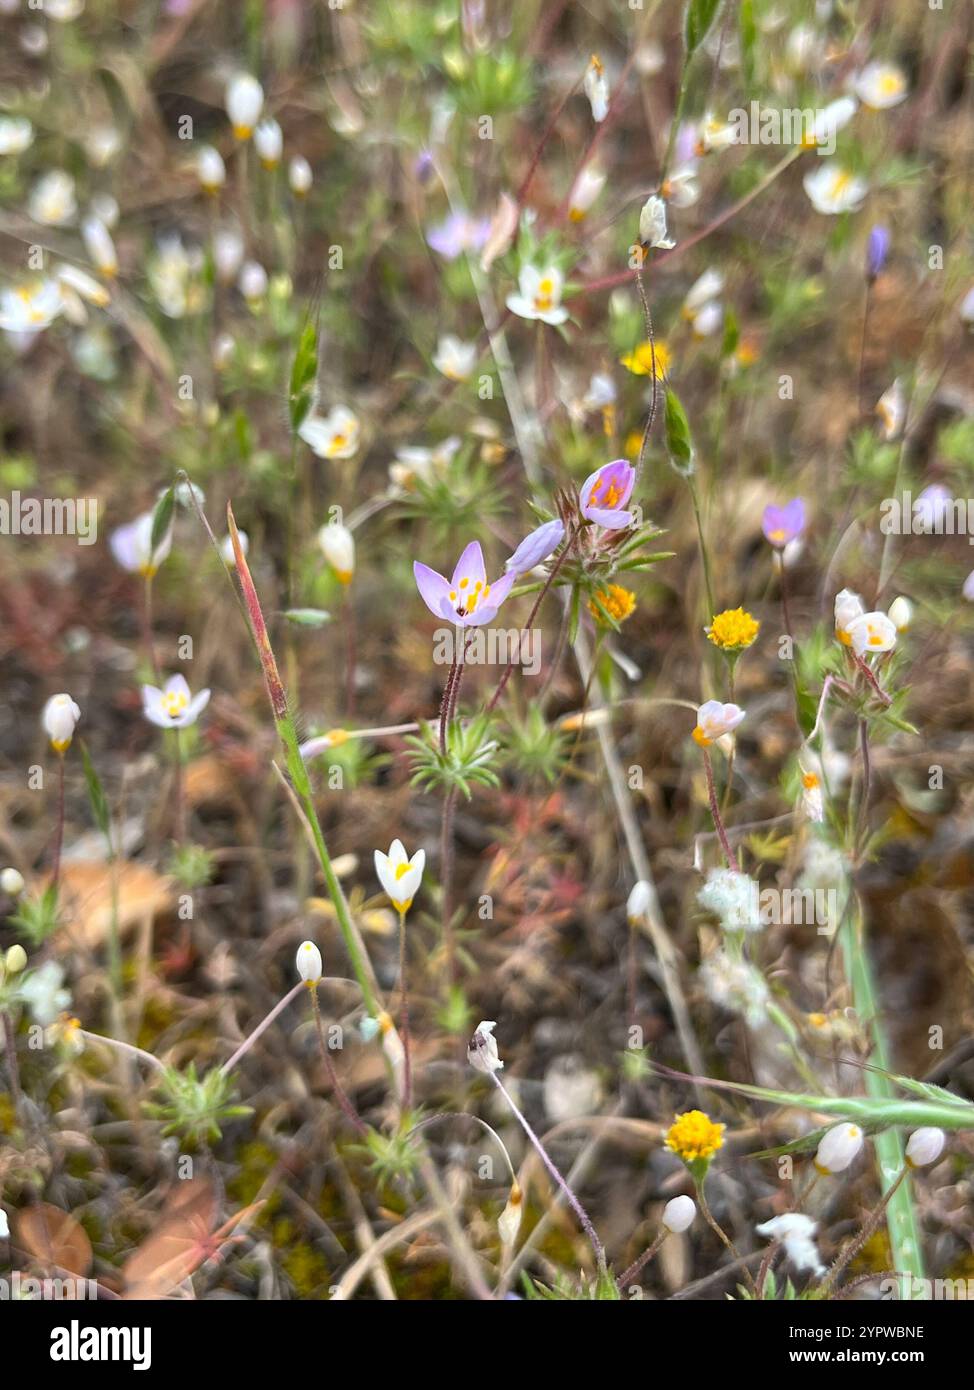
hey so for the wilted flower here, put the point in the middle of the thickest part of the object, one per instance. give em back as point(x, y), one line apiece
point(43, 993)
point(132, 546)
point(715, 134)
point(455, 358)
point(682, 187)
point(833, 189)
point(880, 85)
point(269, 143)
point(848, 607)
point(16, 134)
point(733, 898)
point(597, 88)
point(30, 308)
point(337, 544)
point(652, 224)
point(872, 632)
point(694, 1136)
point(173, 707)
point(333, 436)
point(299, 176)
point(399, 875)
point(735, 985)
point(482, 1052)
point(783, 524)
point(925, 1146)
point(586, 188)
point(838, 1147)
point(210, 169)
point(604, 494)
point(467, 598)
point(539, 295)
point(795, 1231)
point(733, 630)
point(458, 233)
point(308, 962)
point(244, 103)
point(52, 199)
point(891, 409)
point(877, 249)
point(678, 1214)
point(509, 1221)
point(59, 719)
point(714, 720)
point(537, 546)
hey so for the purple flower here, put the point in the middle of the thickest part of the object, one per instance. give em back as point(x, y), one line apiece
point(877, 249)
point(467, 598)
point(536, 547)
point(932, 507)
point(460, 232)
point(423, 166)
point(605, 493)
point(783, 524)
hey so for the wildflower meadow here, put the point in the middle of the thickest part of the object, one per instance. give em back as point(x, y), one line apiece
point(487, 634)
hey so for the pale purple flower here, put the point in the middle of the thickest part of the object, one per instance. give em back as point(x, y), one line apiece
point(605, 492)
point(459, 233)
point(783, 524)
point(968, 589)
point(173, 707)
point(931, 507)
point(877, 249)
point(131, 546)
point(536, 547)
point(467, 598)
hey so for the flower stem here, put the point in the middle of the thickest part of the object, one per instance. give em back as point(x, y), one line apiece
point(637, 1266)
point(59, 829)
point(348, 1109)
point(407, 1073)
point(725, 844)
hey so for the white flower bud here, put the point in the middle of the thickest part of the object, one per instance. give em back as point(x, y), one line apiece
point(11, 882)
point(15, 960)
point(100, 247)
point(925, 1146)
point(679, 1213)
point(308, 962)
point(210, 169)
point(838, 1147)
point(299, 176)
point(900, 613)
point(253, 281)
point(337, 544)
point(641, 901)
point(269, 143)
point(244, 103)
point(509, 1221)
point(59, 719)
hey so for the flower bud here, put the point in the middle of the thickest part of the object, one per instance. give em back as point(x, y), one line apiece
point(269, 143)
point(640, 901)
point(509, 1221)
point(679, 1213)
point(308, 962)
point(337, 544)
point(253, 282)
point(838, 1147)
point(210, 169)
point(244, 103)
point(299, 176)
point(925, 1146)
point(900, 613)
point(59, 719)
point(11, 882)
point(16, 958)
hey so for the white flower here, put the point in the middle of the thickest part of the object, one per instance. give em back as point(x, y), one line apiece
point(925, 1146)
point(681, 188)
point(30, 308)
point(132, 546)
point(228, 253)
point(16, 134)
point(838, 1147)
point(308, 962)
point(102, 145)
point(244, 103)
point(707, 320)
point(709, 286)
point(652, 224)
point(833, 189)
point(63, 11)
point(736, 986)
point(210, 169)
point(227, 552)
point(678, 1214)
point(539, 295)
point(585, 190)
point(900, 613)
point(482, 1052)
point(891, 409)
point(399, 875)
point(601, 392)
point(418, 462)
point(334, 436)
point(804, 48)
point(4, 1225)
point(795, 1231)
point(813, 800)
point(641, 901)
point(77, 285)
point(11, 882)
point(105, 208)
point(173, 707)
point(716, 134)
point(269, 143)
point(832, 118)
point(714, 720)
point(42, 991)
point(881, 85)
point(967, 588)
point(394, 1051)
point(509, 1221)
point(596, 87)
point(733, 898)
point(337, 544)
point(100, 247)
point(454, 358)
point(52, 199)
point(253, 282)
point(873, 632)
point(848, 607)
point(299, 176)
point(59, 718)
point(171, 275)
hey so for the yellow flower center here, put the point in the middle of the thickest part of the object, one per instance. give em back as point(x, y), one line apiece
point(174, 702)
point(694, 1135)
point(733, 629)
point(617, 601)
point(810, 780)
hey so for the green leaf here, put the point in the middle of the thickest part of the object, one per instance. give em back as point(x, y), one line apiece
point(748, 31)
point(307, 617)
point(162, 518)
point(678, 440)
point(304, 371)
point(96, 796)
point(699, 17)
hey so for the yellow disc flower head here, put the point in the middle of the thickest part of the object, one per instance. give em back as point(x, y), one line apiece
point(693, 1136)
point(733, 630)
point(640, 360)
point(618, 602)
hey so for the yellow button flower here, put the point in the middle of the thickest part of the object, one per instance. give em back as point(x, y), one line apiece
point(640, 360)
point(616, 601)
point(733, 629)
point(693, 1136)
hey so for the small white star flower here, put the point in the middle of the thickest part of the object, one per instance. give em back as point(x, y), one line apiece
point(173, 707)
point(399, 875)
